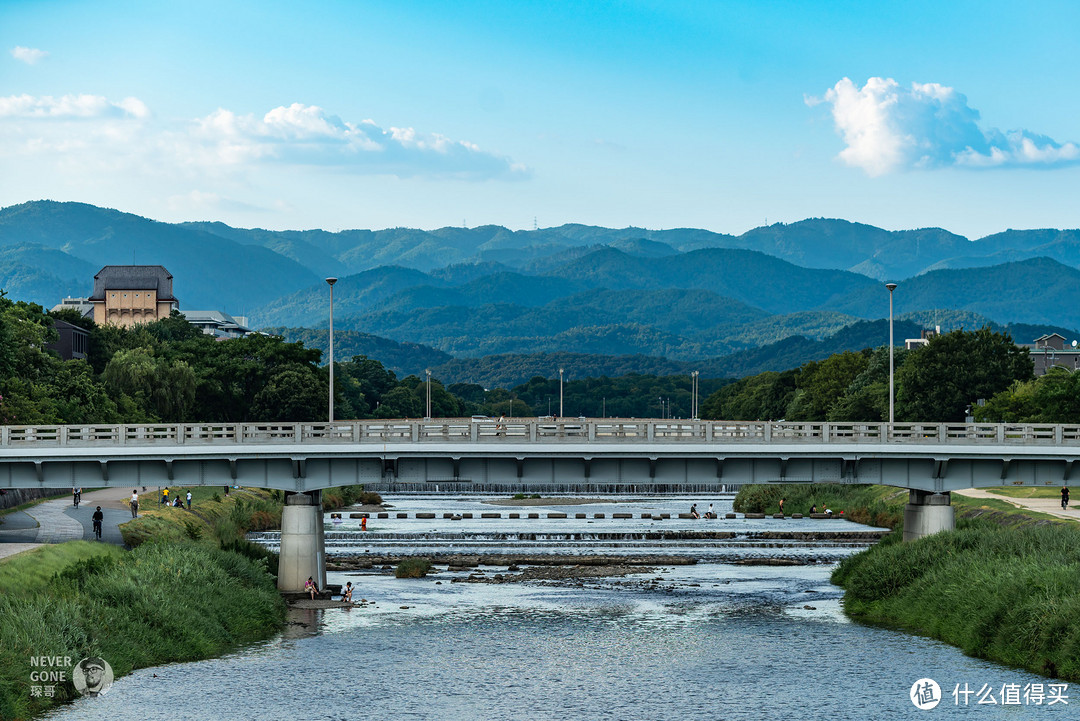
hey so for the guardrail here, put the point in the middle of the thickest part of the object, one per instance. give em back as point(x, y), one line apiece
point(537, 431)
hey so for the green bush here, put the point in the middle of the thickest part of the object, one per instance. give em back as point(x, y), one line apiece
point(413, 568)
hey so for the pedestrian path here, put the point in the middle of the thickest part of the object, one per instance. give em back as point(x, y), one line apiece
point(1051, 506)
point(10, 549)
point(58, 520)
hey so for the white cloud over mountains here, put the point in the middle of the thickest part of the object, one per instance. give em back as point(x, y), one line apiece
point(88, 130)
point(887, 128)
point(30, 56)
point(307, 135)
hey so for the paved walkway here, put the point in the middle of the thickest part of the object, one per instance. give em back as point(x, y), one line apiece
point(1051, 506)
point(58, 520)
point(10, 549)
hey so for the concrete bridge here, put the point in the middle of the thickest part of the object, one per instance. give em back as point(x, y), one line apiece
point(612, 455)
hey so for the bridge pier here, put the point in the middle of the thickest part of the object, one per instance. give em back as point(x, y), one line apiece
point(303, 545)
point(927, 513)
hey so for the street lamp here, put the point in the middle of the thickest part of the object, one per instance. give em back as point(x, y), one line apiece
point(330, 282)
point(560, 393)
point(428, 372)
point(892, 394)
point(694, 392)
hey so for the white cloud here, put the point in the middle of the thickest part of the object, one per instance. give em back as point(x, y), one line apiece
point(30, 56)
point(88, 131)
point(70, 107)
point(887, 127)
point(307, 135)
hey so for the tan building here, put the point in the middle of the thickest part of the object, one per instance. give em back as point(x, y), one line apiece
point(128, 295)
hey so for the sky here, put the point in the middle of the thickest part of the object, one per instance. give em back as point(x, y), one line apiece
point(716, 115)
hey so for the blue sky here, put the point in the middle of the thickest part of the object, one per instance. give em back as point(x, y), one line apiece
point(721, 115)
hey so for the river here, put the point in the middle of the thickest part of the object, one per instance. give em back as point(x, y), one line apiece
point(708, 641)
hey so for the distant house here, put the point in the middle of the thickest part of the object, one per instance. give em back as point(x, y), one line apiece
point(1051, 350)
point(82, 305)
point(218, 324)
point(74, 341)
point(129, 295)
point(924, 339)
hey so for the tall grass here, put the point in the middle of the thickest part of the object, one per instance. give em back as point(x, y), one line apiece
point(160, 603)
point(1010, 595)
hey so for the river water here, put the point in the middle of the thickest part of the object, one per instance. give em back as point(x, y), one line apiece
point(713, 640)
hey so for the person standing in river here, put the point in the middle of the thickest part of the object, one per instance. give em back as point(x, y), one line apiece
point(782, 505)
point(1064, 498)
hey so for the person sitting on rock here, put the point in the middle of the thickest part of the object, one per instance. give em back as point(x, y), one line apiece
point(346, 596)
point(693, 511)
point(311, 588)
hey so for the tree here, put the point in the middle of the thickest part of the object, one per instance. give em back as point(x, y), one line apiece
point(822, 384)
point(940, 380)
point(1052, 398)
point(293, 393)
point(763, 397)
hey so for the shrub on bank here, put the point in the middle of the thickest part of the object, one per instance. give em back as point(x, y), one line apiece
point(342, 496)
point(881, 506)
point(1006, 595)
point(413, 568)
point(160, 603)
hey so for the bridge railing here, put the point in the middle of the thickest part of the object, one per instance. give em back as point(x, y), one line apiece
point(531, 430)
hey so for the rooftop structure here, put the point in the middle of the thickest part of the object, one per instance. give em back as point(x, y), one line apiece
point(218, 323)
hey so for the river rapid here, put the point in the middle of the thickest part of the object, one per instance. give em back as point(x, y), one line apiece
point(715, 640)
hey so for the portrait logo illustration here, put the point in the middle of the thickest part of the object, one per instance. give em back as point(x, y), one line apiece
point(92, 676)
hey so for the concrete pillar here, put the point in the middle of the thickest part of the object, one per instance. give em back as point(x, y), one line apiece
point(926, 514)
point(302, 545)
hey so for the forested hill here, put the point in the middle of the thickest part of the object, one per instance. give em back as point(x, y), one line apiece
point(681, 297)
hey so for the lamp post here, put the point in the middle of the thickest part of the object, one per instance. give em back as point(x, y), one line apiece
point(693, 405)
point(560, 393)
point(330, 282)
point(892, 394)
point(427, 371)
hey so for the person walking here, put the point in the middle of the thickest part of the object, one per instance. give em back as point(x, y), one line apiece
point(76, 496)
point(1064, 498)
point(189, 500)
point(782, 505)
point(134, 503)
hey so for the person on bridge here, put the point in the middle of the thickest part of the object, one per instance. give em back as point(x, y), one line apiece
point(98, 517)
point(1064, 498)
point(134, 504)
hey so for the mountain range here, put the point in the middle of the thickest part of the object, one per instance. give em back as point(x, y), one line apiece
point(449, 297)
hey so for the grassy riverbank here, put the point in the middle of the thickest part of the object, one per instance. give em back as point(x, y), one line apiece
point(160, 603)
point(1010, 595)
point(1004, 586)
